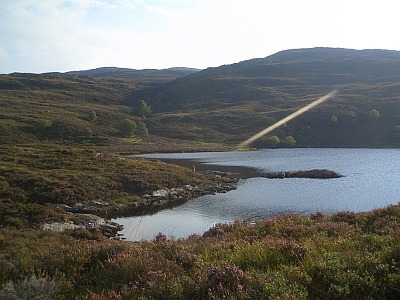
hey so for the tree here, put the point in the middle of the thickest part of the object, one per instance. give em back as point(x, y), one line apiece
point(88, 133)
point(374, 114)
point(141, 129)
point(127, 127)
point(92, 116)
point(397, 128)
point(142, 108)
point(273, 141)
point(290, 140)
point(334, 119)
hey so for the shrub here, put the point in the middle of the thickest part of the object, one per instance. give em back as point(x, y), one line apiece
point(345, 216)
point(374, 115)
point(290, 141)
point(356, 277)
point(92, 116)
point(273, 141)
point(127, 127)
point(88, 133)
point(32, 288)
point(142, 108)
point(227, 282)
point(286, 283)
point(141, 129)
point(160, 237)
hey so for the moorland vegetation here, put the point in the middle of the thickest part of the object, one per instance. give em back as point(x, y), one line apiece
point(63, 138)
point(343, 256)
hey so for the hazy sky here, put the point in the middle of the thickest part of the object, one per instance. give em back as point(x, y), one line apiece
point(62, 35)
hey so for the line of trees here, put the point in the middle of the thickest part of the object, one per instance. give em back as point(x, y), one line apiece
point(43, 128)
point(129, 128)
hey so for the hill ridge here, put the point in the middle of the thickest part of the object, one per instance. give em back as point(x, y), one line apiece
point(222, 105)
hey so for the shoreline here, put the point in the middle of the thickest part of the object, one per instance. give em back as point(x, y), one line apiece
point(226, 179)
point(238, 172)
point(97, 216)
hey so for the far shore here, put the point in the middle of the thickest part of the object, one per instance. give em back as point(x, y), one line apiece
point(239, 172)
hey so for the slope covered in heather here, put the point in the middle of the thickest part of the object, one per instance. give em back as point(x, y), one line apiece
point(231, 102)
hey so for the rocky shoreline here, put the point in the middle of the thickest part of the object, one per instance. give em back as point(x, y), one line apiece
point(94, 215)
point(169, 198)
point(90, 222)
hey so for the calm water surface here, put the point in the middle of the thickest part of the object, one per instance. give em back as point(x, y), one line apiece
point(372, 180)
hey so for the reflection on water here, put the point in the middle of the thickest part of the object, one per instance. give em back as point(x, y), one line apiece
point(174, 223)
point(371, 181)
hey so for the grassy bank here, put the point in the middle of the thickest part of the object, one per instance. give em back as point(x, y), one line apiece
point(34, 179)
point(344, 256)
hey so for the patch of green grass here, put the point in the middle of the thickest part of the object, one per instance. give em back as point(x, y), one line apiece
point(131, 139)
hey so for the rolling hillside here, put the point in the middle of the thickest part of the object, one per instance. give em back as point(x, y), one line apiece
point(56, 108)
point(60, 162)
point(231, 102)
point(60, 144)
point(222, 105)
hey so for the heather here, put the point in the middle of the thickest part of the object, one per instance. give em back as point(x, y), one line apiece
point(44, 183)
point(344, 256)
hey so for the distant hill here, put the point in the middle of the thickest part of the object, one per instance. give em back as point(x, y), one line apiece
point(245, 97)
point(327, 54)
point(149, 75)
point(288, 72)
point(222, 105)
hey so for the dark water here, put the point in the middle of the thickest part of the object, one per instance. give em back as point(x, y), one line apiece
point(372, 180)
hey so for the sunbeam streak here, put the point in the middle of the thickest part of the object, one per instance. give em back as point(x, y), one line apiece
point(285, 120)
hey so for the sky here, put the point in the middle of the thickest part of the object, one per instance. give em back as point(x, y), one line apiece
point(38, 36)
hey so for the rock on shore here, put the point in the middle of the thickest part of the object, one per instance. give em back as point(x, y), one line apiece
point(87, 221)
